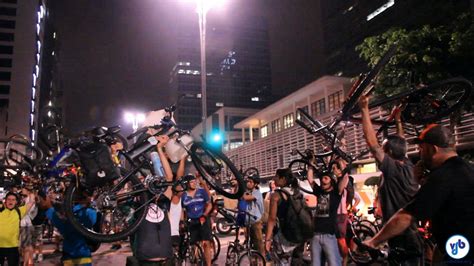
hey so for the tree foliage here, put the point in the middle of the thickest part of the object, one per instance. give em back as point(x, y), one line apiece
point(424, 55)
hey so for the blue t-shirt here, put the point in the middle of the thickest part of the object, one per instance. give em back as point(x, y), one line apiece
point(195, 206)
point(74, 244)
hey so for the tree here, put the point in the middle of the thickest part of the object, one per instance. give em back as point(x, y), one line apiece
point(424, 55)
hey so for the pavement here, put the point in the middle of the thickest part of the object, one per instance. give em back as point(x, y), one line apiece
point(105, 256)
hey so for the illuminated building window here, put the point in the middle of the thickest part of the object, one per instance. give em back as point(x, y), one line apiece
point(381, 9)
point(219, 104)
point(318, 107)
point(276, 125)
point(298, 115)
point(335, 100)
point(255, 99)
point(264, 131)
point(288, 121)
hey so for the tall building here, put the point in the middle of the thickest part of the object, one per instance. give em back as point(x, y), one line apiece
point(238, 68)
point(27, 47)
point(19, 45)
point(50, 98)
point(347, 23)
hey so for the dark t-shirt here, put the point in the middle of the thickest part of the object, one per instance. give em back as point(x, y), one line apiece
point(153, 236)
point(447, 199)
point(326, 210)
point(398, 186)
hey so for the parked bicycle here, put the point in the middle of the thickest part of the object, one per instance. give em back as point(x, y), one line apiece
point(242, 253)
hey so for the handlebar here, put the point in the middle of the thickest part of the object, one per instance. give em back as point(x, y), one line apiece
point(237, 211)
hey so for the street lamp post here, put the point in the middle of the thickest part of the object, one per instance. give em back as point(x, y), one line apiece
point(202, 12)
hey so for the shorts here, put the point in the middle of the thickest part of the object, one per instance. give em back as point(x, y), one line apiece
point(341, 229)
point(198, 231)
point(26, 236)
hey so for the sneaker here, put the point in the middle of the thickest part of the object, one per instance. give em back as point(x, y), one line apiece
point(39, 258)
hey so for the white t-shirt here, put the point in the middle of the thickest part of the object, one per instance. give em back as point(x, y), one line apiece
point(175, 216)
point(28, 218)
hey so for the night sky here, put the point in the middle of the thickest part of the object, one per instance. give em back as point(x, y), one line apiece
point(117, 55)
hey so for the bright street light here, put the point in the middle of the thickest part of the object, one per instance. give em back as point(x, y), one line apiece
point(134, 119)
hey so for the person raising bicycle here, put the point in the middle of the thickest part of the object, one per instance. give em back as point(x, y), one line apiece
point(398, 185)
point(446, 198)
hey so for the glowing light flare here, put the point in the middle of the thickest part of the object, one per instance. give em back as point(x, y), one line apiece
point(129, 117)
point(203, 6)
point(140, 117)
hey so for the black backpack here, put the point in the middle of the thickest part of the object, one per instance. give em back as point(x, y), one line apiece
point(97, 164)
point(297, 224)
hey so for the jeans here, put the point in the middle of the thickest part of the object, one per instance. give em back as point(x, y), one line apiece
point(256, 237)
point(326, 243)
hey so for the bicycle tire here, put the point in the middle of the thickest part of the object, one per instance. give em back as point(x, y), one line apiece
point(138, 216)
point(446, 106)
point(232, 255)
point(216, 247)
point(355, 255)
point(299, 168)
point(255, 259)
point(223, 227)
point(20, 150)
point(194, 256)
point(212, 164)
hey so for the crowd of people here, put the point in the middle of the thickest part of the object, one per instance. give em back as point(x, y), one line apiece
point(438, 188)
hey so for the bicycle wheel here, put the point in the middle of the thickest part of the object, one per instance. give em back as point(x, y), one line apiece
point(299, 168)
point(438, 100)
point(194, 256)
point(19, 151)
point(253, 258)
point(215, 247)
point(218, 171)
point(232, 255)
point(357, 256)
point(223, 226)
point(122, 208)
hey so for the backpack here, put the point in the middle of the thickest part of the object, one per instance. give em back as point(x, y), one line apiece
point(242, 206)
point(97, 164)
point(297, 224)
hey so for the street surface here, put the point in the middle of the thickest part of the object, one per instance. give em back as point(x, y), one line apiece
point(106, 256)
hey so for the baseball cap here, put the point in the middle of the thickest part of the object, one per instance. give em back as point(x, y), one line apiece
point(437, 135)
